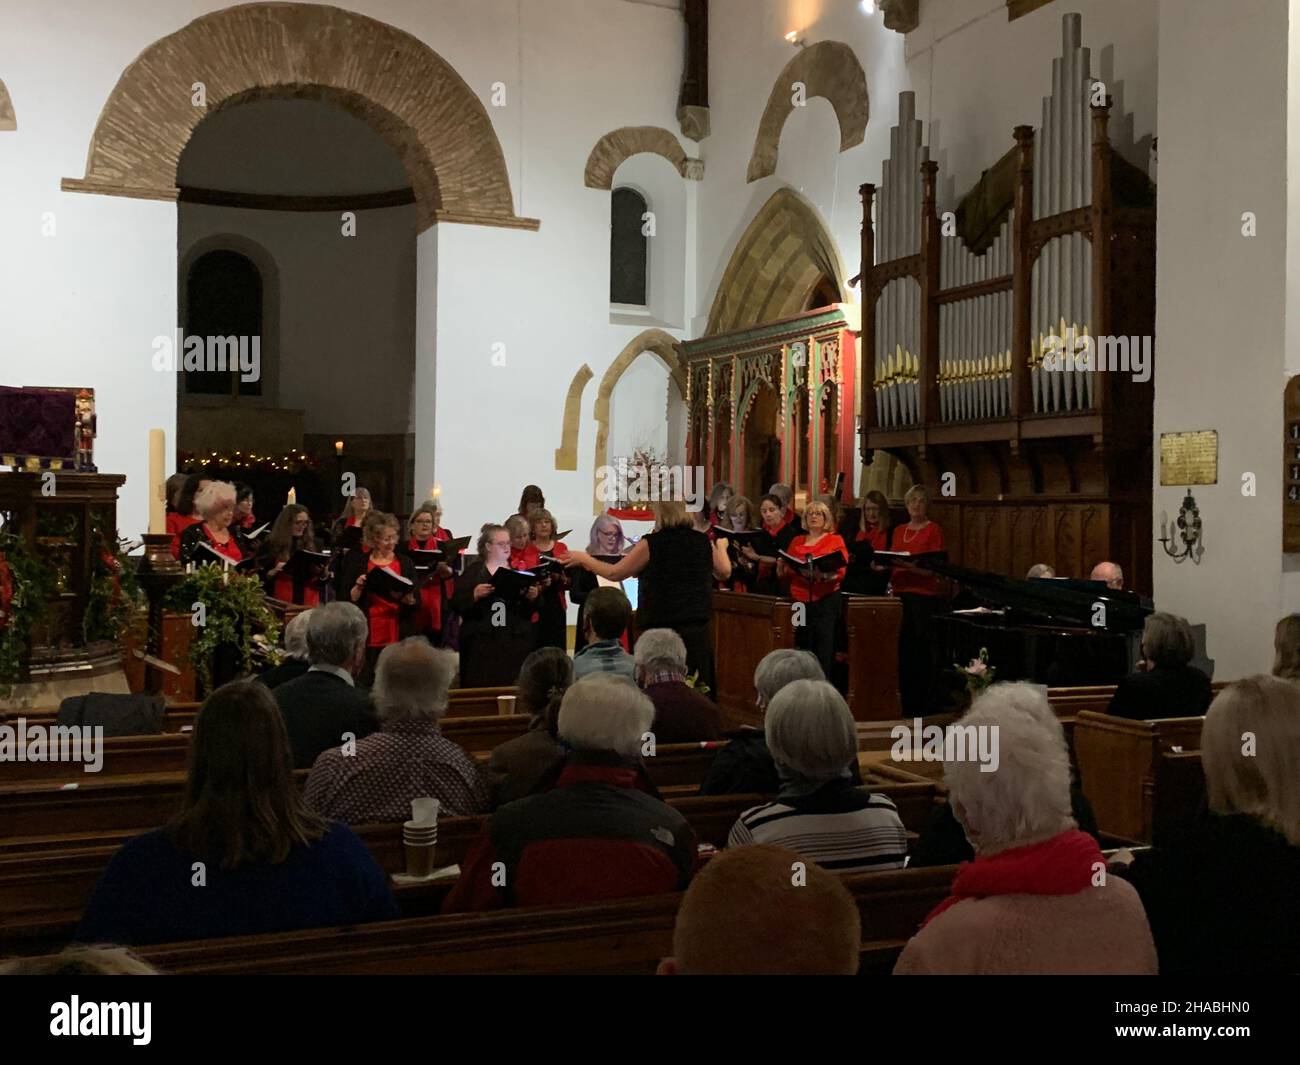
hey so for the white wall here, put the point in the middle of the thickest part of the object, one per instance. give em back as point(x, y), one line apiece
point(1221, 308)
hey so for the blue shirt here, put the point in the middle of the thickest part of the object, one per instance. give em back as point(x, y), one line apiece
point(604, 656)
point(147, 893)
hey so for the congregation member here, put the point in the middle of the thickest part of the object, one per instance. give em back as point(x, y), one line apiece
point(1221, 891)
point(595, 835)
point(291, 532)
point(919, 593)
point(269, 863)
point(244, 520)
point(607, 617)
point(322, 708)
point(1109, 574)
point(682, 715)
point(491, 654)
point(819, 592)
point(1040, 571)
point(519, 766)
point(552, 606)
point(424, 532)
point(388, 612)
point(864, 575)
point(1286, 648)
point(775, 535)
point(747, 913)
point(818, 811)
point(1166, 683)
point(295, 662)
point(745, 765)
point(1035, 900)
point(215, 506)
point(676, 567)
point(181, 512)
point(607, 540)
point(409, 757)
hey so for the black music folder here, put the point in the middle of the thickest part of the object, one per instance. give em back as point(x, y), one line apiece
point(383, 581)
point(349, 539)
point(513, 582)
point(302, 564)
point(822, 567)
point(737, 536)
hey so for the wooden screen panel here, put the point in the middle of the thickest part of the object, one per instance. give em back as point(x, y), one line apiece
point(745, 628)
point(872, 625)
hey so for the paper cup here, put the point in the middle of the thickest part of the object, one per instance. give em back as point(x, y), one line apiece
point(419, 859)
point(424, 811)
point(505, 704)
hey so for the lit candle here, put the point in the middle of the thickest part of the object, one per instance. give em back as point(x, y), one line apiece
point(157, 481)
point(225, 575)
point(292, 498)
point(1164, 525)
point(338, 447)
point(435, 491)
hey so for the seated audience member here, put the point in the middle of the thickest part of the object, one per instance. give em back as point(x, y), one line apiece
point(746, 914)
point(1286, 648)
point(593, 836)
point(268, 863)
point(295, 662)
point(682, 715)
point(1036, 898)
point(607, 613)
point(943, 842)
point(519, 766)
point(324, 706)
point(409, 757)
point(745, 764)
point(1109, 574)
point(1166, 685)
point(1040, 571)
point(818, 811)
point(1221, 893)
point(77, 960)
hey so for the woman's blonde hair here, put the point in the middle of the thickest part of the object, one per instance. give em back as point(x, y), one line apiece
point(917, 491)
point(1286, 648)
point(538, 516)
point(1250, 747)
point(670, 513)
point(375, 522)
point(821, 508)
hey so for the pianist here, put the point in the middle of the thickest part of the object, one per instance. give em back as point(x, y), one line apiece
point(1109, 574)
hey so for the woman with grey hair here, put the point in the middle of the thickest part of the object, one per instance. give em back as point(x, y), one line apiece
point(1166, 683)
point(596, 834)
point(215, 506)
point(1221, 890)
point(1037, 898)
point(409, 757)
point(745, 766)
point(819, 812)
point(682, 715)
point(295, 662)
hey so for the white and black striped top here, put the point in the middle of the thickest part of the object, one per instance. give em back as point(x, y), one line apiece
point(840, 827)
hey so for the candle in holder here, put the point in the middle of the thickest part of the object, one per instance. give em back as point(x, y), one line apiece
point(338, 447)
point(157, 481)
point(292, 498)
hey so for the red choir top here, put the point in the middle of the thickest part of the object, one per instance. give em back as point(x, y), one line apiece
point(801, 588)
point(876, 536)
point(915, 541)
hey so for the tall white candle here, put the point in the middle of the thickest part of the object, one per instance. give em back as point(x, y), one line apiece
point(291, 498)
point(157, 481)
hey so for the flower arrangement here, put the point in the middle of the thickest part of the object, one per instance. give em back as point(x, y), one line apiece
point(978, 674)
point(114, 596)
point(25, 585)
point(234, 606)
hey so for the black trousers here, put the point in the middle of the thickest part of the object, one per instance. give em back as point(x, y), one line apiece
point(699, 654)
point(916, 655)
point(817, 633)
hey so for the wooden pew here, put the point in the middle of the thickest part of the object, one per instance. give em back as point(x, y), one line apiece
point(1117, 761)
point(626, 936)
point(871, 626)
point(745, 628)
point(1177, 793)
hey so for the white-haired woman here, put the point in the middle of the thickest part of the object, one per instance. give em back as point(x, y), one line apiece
point(1166, 683)
point(1221, 891)
point(606, 543)
point(919, 593)
point(744, 765)
point(819, 812)
point(215, 505)
point(295, 662)
point(1037, 898)
point(595, 835)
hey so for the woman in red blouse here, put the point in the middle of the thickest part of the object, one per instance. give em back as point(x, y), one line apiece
point(291, 532)
point(215, 503)
point(919, 592)
point(424, 533)
point(553, 607)
point(821, 593)
point(180, 514)
point(384, 613)
point(523, 555)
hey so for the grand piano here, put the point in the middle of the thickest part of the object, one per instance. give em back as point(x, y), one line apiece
point(1056, 632)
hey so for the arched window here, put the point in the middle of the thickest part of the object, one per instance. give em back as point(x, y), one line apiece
point(628, 249)
point(224, 302)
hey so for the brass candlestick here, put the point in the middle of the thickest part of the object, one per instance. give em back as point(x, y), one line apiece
point(158, 573)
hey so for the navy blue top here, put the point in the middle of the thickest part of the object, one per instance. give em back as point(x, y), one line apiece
point(146, 894)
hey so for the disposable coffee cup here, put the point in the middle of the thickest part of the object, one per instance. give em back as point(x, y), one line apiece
point(505, 704)
point(424, 811)
point(419, 858)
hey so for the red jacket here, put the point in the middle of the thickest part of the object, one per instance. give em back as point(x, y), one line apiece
point(595, 836)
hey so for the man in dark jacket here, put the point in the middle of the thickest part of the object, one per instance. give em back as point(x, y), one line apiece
point(323, 707)
point(595, 835)
point(1167, 686)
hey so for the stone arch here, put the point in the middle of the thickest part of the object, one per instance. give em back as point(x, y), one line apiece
point(566, 455)
point(779, 261)
point(441, 132)
point(654, 340)
point(8, 120)
point(616, 147)
point(828, 69)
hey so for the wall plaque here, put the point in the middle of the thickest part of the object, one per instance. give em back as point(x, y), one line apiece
point(1189, 458)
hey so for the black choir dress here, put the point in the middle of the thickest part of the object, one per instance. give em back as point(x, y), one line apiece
point(491, 655)
point(676, 592)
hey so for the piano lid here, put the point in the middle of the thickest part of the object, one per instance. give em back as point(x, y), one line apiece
point(1087, 604)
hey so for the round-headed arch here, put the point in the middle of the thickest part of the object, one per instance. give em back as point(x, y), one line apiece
point(828, 69)
point(396, 83)
point(617, 146)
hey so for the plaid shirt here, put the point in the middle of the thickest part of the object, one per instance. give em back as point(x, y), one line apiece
point(604, 656)
point(405, 760)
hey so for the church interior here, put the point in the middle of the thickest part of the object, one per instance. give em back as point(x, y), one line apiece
point(633, 486)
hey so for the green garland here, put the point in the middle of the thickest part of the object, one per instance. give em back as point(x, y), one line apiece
point(33, 583)
point(114, 597)
point(234, 609)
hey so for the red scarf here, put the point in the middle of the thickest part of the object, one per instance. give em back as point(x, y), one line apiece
point(1062, 865)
